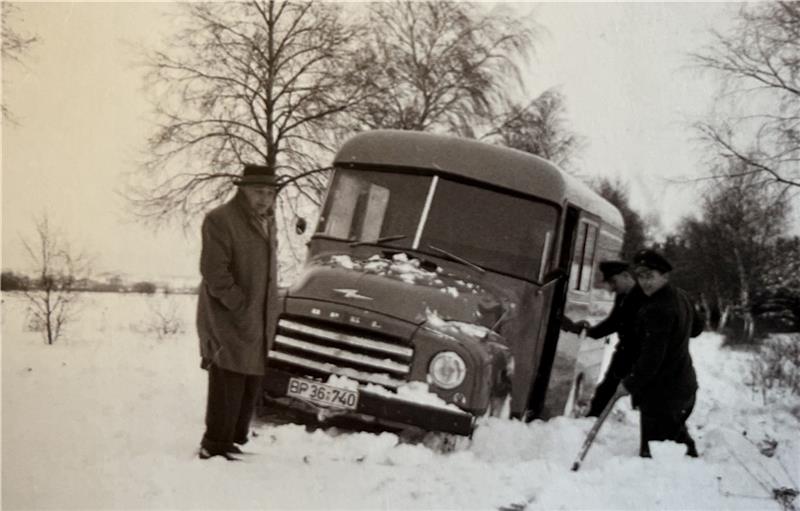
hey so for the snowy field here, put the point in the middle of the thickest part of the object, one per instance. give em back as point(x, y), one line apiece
point(111, 417)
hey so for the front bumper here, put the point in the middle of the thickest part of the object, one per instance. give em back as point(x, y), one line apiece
point(393, 412)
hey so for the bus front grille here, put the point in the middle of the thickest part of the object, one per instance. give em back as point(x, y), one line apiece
point(322, 349)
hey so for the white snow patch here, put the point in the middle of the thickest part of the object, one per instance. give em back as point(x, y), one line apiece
point(437, 323)
point(407, 270)
point(450, 290)
point(419, 392)
point(344, 261)
point(109, 418)
point(342, 382)
point(414, 392)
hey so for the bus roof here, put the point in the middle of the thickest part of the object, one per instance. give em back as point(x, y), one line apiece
point(495, 165)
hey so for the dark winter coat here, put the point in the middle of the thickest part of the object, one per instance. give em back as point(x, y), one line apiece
point(621, 320)
point(238, 304)
point(663, 373)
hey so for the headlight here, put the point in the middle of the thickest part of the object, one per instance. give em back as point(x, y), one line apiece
point(447, 370)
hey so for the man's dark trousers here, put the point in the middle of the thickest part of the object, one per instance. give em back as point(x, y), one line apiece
point(232, 399)
point(666, 421)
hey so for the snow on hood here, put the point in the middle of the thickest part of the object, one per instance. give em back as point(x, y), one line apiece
point(380, 284)
point(399, 266)
point(457, 328)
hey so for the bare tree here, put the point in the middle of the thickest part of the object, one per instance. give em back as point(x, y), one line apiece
point(438, 65)
point(539, 128)
point(726, 253)
point(245, 82)
point(51, 297)
point(14, 43)
point(759, 63)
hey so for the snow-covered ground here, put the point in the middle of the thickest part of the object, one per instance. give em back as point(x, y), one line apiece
point(111, 417)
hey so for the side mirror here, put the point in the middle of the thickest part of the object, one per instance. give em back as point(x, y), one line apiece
point(300, 225)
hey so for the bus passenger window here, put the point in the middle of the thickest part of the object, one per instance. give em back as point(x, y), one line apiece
point(588, 258)
point(583, 258)
point(577, 257)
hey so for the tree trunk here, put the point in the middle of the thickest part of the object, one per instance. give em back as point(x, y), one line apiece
point(48, 318)
point(723, 320)
point(744, 299)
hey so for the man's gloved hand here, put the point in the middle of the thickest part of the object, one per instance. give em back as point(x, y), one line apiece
point(574, 327)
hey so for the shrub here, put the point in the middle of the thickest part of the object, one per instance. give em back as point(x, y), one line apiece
point(736, 330)
point(10, 281)
point(164, 320)
point(776, 366)
point(144, 287)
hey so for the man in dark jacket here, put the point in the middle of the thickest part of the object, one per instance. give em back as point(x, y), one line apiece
point(237, 308)
point(662, 381)
point(627, 300)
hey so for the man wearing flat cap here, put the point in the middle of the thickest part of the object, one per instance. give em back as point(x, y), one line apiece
point(237, 308)
point(628, 297)
point(662, 381)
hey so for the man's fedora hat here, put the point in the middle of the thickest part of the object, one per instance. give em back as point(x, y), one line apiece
point(256, 175)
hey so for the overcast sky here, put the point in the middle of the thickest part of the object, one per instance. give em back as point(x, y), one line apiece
point(82, 115)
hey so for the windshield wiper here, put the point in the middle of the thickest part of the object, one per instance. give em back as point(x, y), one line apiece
point(384, 239)
point(456, 258)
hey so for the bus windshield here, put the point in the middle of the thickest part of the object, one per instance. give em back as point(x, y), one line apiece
point(496, 231)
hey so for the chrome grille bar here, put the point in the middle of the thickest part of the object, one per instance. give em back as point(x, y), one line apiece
point(340, 354)
point(378, 379)
point(351, 340)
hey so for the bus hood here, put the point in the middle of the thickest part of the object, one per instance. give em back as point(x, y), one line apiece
point(403, 288)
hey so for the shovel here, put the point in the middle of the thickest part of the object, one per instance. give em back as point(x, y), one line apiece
point(596, 427)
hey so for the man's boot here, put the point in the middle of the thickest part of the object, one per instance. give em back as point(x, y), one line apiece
point(691, 448)
point(644, 450)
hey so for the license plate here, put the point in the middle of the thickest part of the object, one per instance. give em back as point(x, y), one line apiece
point(322, 394)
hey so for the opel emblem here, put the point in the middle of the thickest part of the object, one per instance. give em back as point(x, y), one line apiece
point(352, 293)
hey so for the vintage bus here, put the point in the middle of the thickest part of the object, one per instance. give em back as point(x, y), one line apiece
point(441, 267)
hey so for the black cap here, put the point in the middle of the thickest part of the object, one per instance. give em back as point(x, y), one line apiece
point(653, 260)
point(257, 175)
point(611, 268)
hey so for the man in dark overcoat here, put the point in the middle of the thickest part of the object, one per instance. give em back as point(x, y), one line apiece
point(237, 308)
point(662, 381)
point(627, 300)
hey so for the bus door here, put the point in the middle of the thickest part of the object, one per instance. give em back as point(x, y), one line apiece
point(548, 364)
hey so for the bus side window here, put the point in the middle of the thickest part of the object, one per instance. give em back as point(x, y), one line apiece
point(583, 257)
point(577, 257)
point(588, 258)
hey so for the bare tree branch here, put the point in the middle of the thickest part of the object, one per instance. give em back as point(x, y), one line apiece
point(538, 128)
point(242, 82)
point(439, 65)
point(759, 65)
point(15, 44)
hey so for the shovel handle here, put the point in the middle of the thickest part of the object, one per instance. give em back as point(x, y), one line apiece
point(587, 443)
